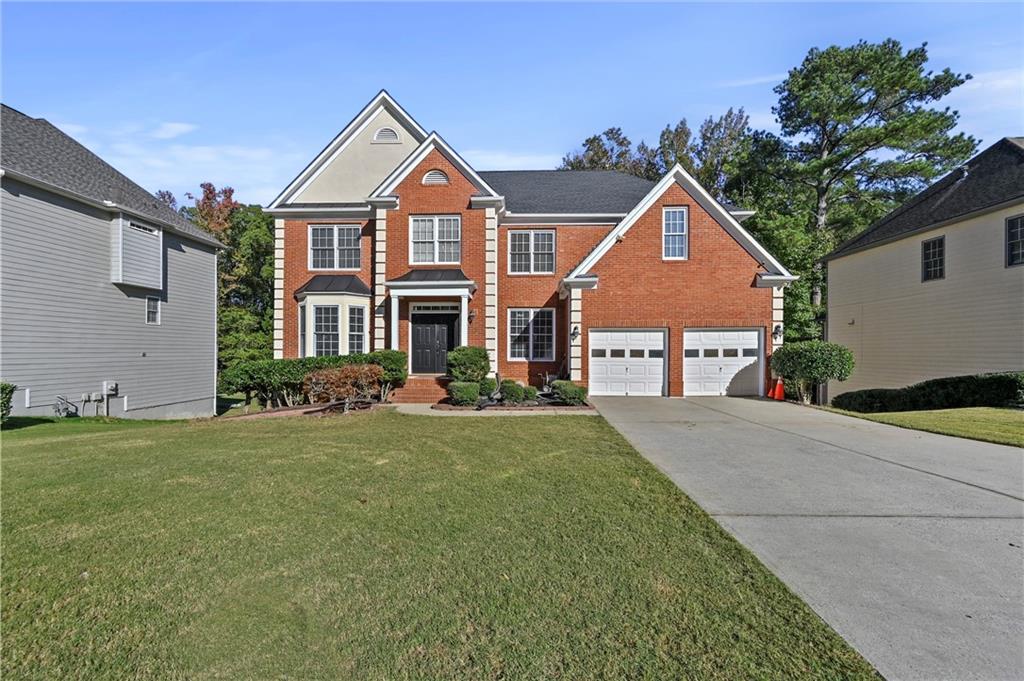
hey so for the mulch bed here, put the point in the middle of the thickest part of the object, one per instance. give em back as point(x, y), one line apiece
point(444, 406)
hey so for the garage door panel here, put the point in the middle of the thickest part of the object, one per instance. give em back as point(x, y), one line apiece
point(722, 361)
point(627, 362)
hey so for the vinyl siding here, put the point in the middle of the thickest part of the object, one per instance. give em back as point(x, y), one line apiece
point(65, 328)
point(902, 330)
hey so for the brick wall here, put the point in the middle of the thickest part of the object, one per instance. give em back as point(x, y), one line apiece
point(714, 288)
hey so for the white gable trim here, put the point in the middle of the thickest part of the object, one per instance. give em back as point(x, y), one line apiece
point(706, 201)
point(433, 141)
point(382, 101)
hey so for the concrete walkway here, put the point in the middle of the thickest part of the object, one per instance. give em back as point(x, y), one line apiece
point(907, 543)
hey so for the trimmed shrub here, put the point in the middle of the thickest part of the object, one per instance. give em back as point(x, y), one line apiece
point(809, 363)
point(529, 393)
point(487, 386)
point(569, 393)
point(468, 363)
point(512, 392)
point(980, 390)
point(463, 393)
point(352, 382)
point(395, 364)
point(6, 395)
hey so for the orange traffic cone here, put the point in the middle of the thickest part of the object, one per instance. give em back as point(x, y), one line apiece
point(780, 390)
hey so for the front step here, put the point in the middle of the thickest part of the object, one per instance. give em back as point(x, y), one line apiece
point(422, 390)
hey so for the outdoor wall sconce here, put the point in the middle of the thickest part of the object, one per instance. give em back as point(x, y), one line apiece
point(575, 333)
point(472, 315)
point(777, 332)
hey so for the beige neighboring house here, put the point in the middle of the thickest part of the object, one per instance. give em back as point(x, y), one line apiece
point(936, 288)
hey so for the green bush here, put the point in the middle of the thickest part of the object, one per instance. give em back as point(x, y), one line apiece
point(488, 386)
point(810, 363)
point(569, 393)
point(468, 363)
point(6, 394)
point(463, 393)
point(981, 390)
point(512, 392)
point(529, 393)
point(278, 382)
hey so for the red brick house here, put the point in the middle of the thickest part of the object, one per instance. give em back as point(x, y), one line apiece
point(389, 239)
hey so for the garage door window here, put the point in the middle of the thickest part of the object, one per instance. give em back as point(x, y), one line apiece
point(656, 354)
point(531, 334)
point(598, 352)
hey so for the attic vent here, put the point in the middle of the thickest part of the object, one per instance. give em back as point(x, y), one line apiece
point(435, 177)
point(386, 136)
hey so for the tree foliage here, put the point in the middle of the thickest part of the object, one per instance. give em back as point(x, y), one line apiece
point(812, 362)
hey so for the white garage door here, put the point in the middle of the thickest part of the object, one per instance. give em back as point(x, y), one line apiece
point(722, 362)
point(627, 362)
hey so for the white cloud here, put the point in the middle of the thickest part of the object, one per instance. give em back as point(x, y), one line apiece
point(755, 80)
point(991, 104)
point(763, 120)
point(497, 159)
point(166, 131)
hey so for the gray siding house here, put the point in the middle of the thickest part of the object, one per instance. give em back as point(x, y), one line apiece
point(108, 298)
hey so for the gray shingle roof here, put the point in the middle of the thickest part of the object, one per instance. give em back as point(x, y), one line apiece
point(454, 274)
point(35, 148)
point(334, 283)
point(993, 177)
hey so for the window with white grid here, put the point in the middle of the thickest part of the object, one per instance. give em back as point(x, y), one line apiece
point(326, 330)
point(675, 234)
point(531, 334)
point(933, 259)
point(334, 247)
point(435, 239)
point(531, 252)
point(356, 329)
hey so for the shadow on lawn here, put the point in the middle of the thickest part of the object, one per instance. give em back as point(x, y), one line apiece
point(18, 422)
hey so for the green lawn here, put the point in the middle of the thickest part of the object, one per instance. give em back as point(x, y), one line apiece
point(1002, 426)
point(373, 546)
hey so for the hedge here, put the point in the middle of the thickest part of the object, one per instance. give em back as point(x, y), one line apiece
point(349, 382)
point(488, 386)
point(6, 394)
point(279, 381)
point(569, 393)
point(808, 363)
point(980, 390)
point(463, 393)
point(468, 363)
point(512, 392)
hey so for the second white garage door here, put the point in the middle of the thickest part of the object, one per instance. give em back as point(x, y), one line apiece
point(627, 362)
point(722, 362)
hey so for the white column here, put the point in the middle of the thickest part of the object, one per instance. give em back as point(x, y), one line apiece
point(278, 337)
point(464, 319)
point(576, 345)
point(491, 287)
point(380, 248)
point(395, 302)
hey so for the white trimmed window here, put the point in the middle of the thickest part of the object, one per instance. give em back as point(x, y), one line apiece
point(386, 135)
point(435, 239)
point(334, 247)
point(531, 334)
point(675, 234)
point(1015, 241)
point(152, 310)
point(326, 330)
point(356, 329)
point(531, 252)
point(302, 329)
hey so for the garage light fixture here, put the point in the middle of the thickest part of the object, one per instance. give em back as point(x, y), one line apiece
point(575, 333)
point(777, 332)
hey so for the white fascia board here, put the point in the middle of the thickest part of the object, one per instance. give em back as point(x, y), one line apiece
point(773, 280)
point(433, 141)
point(342, 139)
point(487, 200)
point(708, 202)
point(467, 284)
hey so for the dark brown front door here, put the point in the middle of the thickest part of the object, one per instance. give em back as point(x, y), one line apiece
point(433, 335)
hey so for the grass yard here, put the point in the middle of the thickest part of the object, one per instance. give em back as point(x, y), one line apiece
point(1002, 426)
point(375, 546)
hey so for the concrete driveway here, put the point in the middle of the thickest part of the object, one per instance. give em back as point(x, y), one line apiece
point(907, 543)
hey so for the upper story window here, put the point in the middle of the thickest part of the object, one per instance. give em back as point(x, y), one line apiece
point(152, 310)
point(1015, 241)
point(334, 247)
point(435, 176)
point(386, 135)
point(435, 239)
point(531, 252)
point(933, 259)
point(675, 234)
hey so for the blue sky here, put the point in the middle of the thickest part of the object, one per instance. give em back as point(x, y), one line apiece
point(246, 94)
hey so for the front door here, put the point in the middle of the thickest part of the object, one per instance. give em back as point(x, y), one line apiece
point(433, 335)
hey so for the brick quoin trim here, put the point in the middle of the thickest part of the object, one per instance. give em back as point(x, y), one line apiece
point(714, 288)
point(297, 272)
point(572, 244)
point(415, 198)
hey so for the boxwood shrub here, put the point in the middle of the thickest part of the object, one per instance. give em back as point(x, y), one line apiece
point(463, 393)
point(1005, 389)
point(487, 386)
point(569, 393)
point(6, 395)
point(468, 363)
point(529, 393)
point(512, 392)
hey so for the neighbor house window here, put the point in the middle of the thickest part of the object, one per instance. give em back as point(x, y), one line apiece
point(435, 239)
point(675, 234)
point(933, 259)
point(531, 334)
point(334, 247)
point(1015, 241)
point(302, 330)
point(356, 329)
point(152, 310)
point(325, 330)
point(531, 252)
